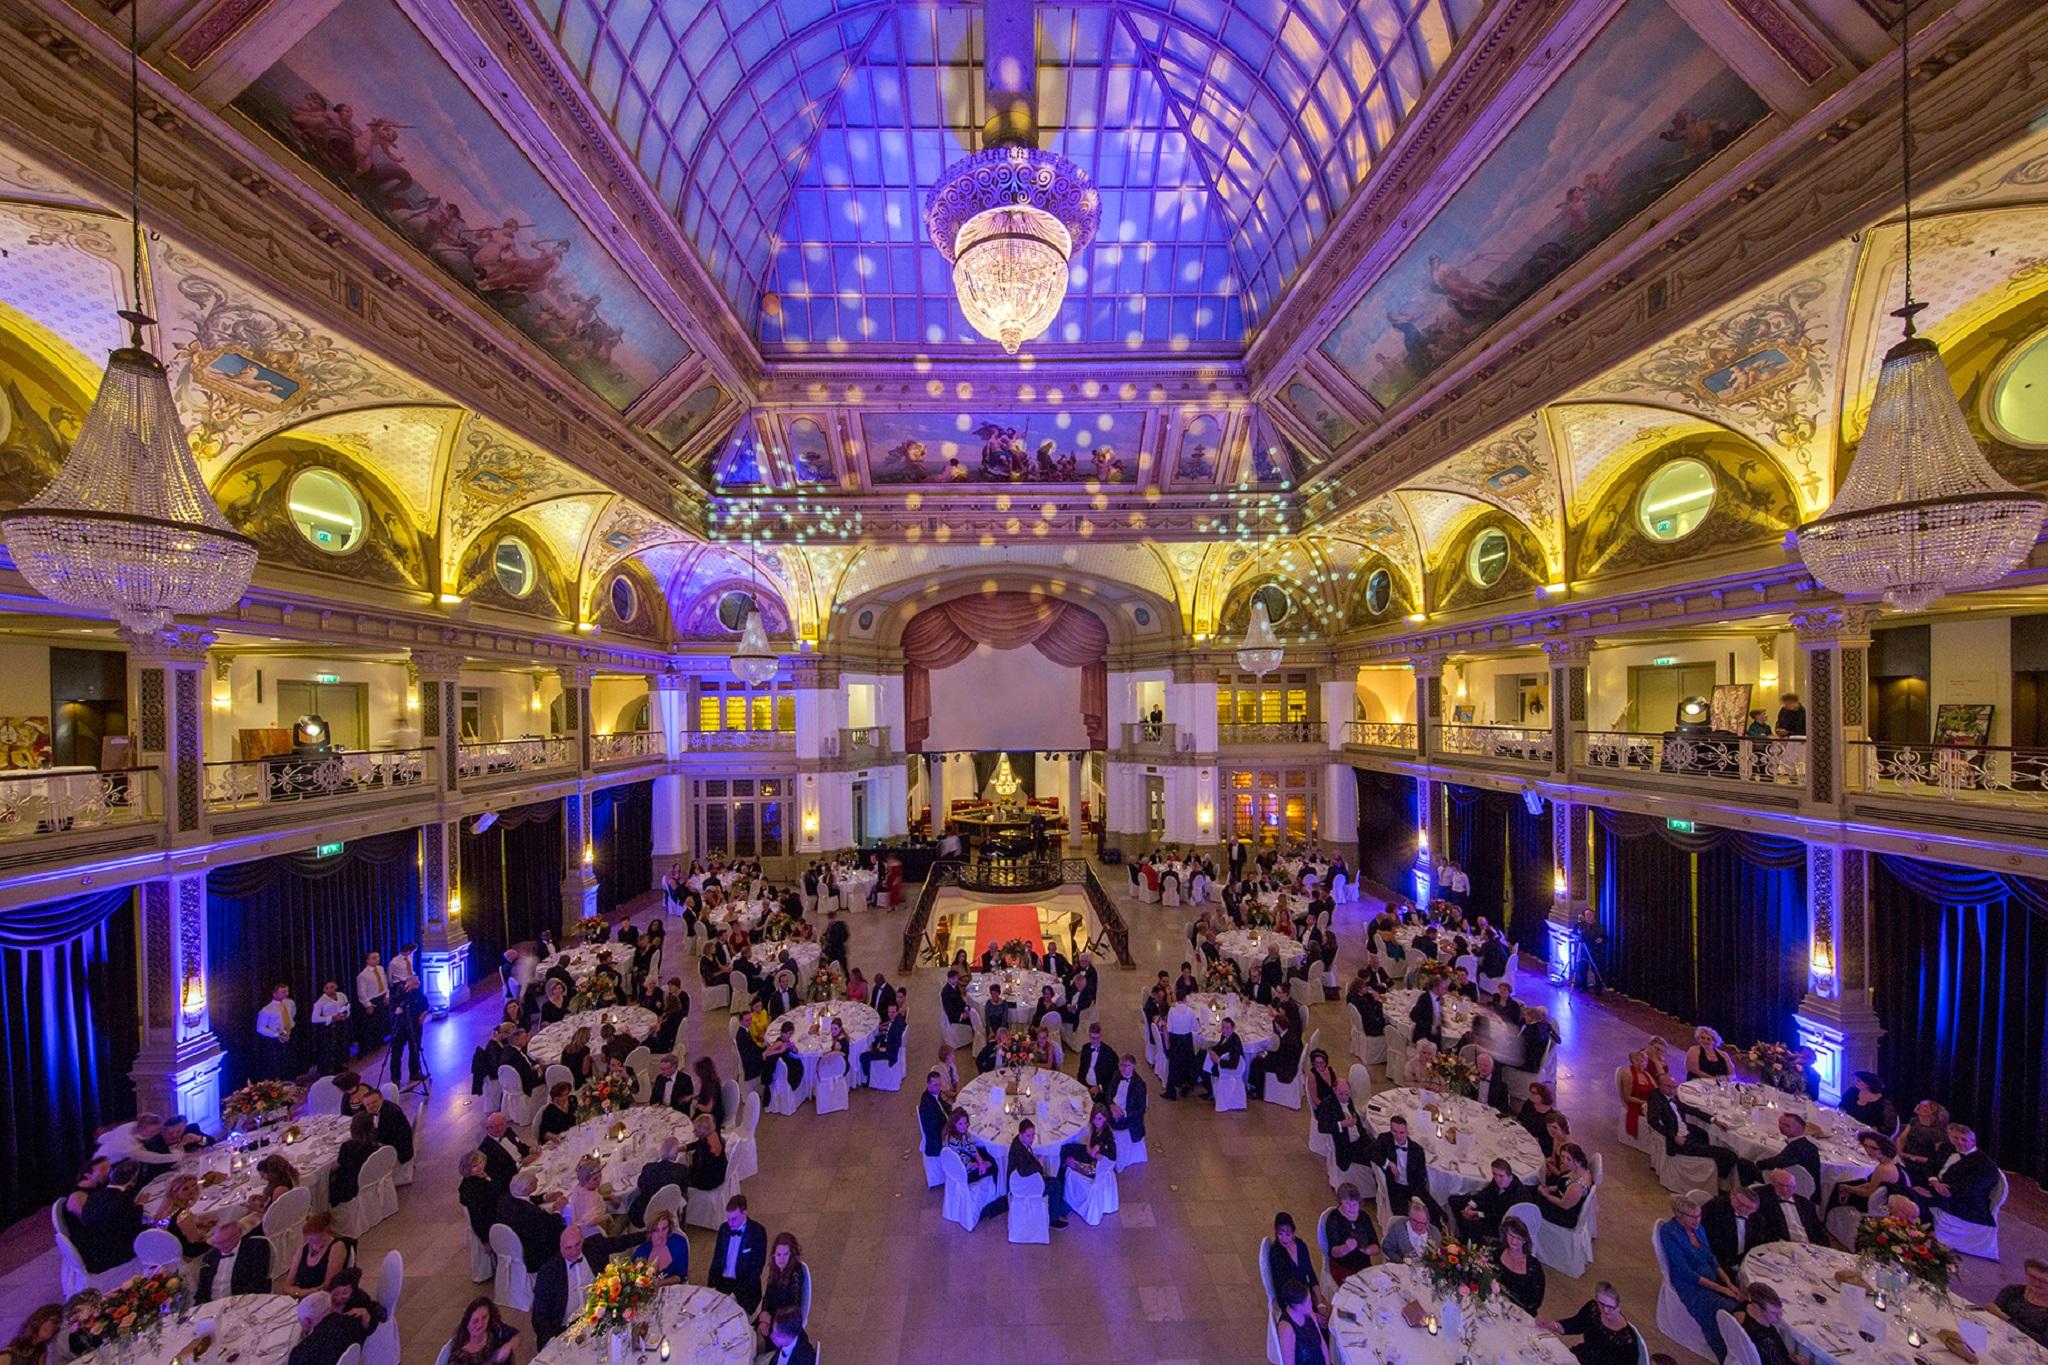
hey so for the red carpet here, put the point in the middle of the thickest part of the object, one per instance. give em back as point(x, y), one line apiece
point(1001, 923)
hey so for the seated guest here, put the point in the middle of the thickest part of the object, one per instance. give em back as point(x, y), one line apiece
point(1365, 1000)
point(888, 1048)
point(1672, 1119)
point(1733, 1226)
point(1477, 1216)
point(1097, 1067)
point(1886, 1175)
point(783, 1053)
point(1353, 1239)
point(326, 1337)
point(588, 1206)
point(1707, 1057)
point(1411, 1234)
point(538, 1229)
point(788, 1343)
point(1867, 1103)
point(1923, 1143)
point(1023, 1160)
point(102, 1215)
point(1226, 1055)
point(1537, 1038)
point(562, 1281)
point(616, 1044)
point(706, 1155)
point(1282, 1061)
point(2025, 1306)
point(347, 1298)
point(1287, 1261)
point(1492, 1087)
point(577, 1056)
point(477, 1195)
point(671, 1088)
point(931, 1114)
point(665, 1170)
point(37, 1342)
point(503, 1153)
point(233, 1264)
point(1799, 1152)
point(1125, 1098)
point(1300, 1332)
point(996, 1013)
point(1521, 1274)
point(1503, 1003)
point(344, 1181)
point(1338, 1119)
point(1785, 1215)
point(959, 1140)
point(174, 1137)
point(787, 1284)
point(555, 1007)
point(1965, 1182)
point(177, 1212)
point(1696, 1275)
point(739, 1256)
point(322, 1256)
point(1561, 1195)
point(710, 1098)
point(393, 1128)
point(666, 1249)
point(1404, 1168)
point(1605, 1336)
point(1763, 1322)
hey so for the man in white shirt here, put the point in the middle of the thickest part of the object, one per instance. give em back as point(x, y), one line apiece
point(1181, 1024)
point(373, 993)
point(330, 1029)
point(274, 1034)
point(401, 967)
point(1788, 1216)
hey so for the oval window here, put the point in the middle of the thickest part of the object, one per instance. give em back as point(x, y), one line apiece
point(1488, 558)
point(513, 564)
point(733, 609)
point(2019, 401)
point(1277, 603)
point(1675, 500)
point(625, 598)
point(326, 510)
point(1379, 592)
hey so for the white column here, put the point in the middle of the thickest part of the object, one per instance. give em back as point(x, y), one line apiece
point(936, 784)
point(1339, 814)
point(1076, 832)
point(669, 709)
point(1340, 701)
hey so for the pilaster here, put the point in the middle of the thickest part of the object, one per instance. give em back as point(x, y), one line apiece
point(1571, 853)
point(177, 1069)
point(1835, 1019)
point(444, 943)
point(1429, 835)
point(437, 672)
point(1835, 645)
point(576, 710)
point(171, 683)
point(669, 709)
point(1569, 660)
point(1429, 703)
point(579, 883)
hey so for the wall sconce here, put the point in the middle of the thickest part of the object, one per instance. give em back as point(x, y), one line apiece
point(454, 906)
point(1205, 815)
point(1767, 673)
point(449, 599)
point(412, 699)
point(1822, 962)
point(1557, 887)
point(810, 824)
point(1422, 841)
point(223, 695)
point(193, 1002)
point(589, 857)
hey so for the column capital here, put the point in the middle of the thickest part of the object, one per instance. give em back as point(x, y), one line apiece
point(173, 644)
point(1834, 625)
point(668, 680)
point(436, 665)
point(809, 673)
point(1428, 665)
point(1569, 651)
point(576, 674)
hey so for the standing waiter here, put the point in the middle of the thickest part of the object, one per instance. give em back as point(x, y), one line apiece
point(373, 993)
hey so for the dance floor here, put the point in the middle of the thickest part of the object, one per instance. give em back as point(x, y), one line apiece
point(1001, 923)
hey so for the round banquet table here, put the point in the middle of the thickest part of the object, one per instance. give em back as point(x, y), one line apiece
point(1459, 1014)
point(994, 1125)
point(1828, 1320)
point(747, 914)
point(647, 1127)
point(703, 1327)
point(312, 1154)
point(1366, 1326)
point(1482, 1136)
point(1747, 1116)
point(767, 956)
point(1254, 1021)
point(582, 962)
point(860, 1022)
point(1021, 986)
point(545, 1047)
point(1247, 948)
point(248, 1329)
point(854, 887)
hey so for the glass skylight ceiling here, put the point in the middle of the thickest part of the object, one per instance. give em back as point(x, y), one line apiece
point(794, 140)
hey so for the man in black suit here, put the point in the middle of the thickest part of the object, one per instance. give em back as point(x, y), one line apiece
point(1024, 1162)
point(1225, 1056)
point(1734, 1225)
point(535, 1227)
point(1125, 1097)
point(667, 1169)
point(1427, 1014)
point(953, 1001)
point(1282, 1061)
point(787, 1342)
point(1493, 958)
point(1786, 1215)
point(563, 1281)
point(1082, 985)
point(672, 1089)
point(888, 1048)
point(503, 1153)
point(1965, 1183)
point(394, 1130)
point(1098, 1065)
point(1493, 1083)
point(1799, 1151)
point(832, 946)
point(233, 1264)
point(327, 1335)
point(1404, 1169)
point(1338, 1119)
point(739, 1256)
point(515, 1055)
point(931, 1115)
point(1478, 1214)
point(991, 1051)
point(1056, 963)
point(782, 997)
point(880, 993)
point(1669, 1117)
point(101, 1215)
point(1370, 1008)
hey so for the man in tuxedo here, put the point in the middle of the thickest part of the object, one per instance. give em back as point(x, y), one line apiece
point(931, 1115)
point(1024, 1161)
point(880, 993)
point(1282, 1061)
point(888, 1048)
point(394, 1130)
point(953, 1001)
point(787, 1342)
point(1182, 1023)
point(1669, 1118)
point(739, 1256)
point(1427, 1014)
point(536, 1228)
point(991, 1051)
point(782, 997)
point(1056, 963)
point(1965, 1183)
point(169, 1137)
point(1493, 1082)
point(1478, 1214)
point(1734, 1225)
point(1125, 1097)
point(1098, 1065)
point(1786, 1215)
point(373, 994)
point(515, 1055)
point(1225, 1056)
point(1493, 958)
point(233, 1264)
point(563, 1281)
point(503, 1153)
point(1338, 1119)
point(1403, 1167)
point(1799, 1150)
point(325, 1334)
point(1369, 1007)
point(671, 1088)
point(1082, 985)
point(102, 1216)
point(667, 1169)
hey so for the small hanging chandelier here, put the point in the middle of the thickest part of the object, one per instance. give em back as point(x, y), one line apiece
point(1260, 652)
point(1921, 512)
point(127, 528)
point(753, 662)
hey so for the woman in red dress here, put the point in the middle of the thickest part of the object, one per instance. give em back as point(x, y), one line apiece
point(1642, 1083)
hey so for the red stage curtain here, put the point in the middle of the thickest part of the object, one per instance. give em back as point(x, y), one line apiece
point(947, 633)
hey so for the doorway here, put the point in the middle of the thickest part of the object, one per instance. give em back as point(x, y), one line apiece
point(344, 706)
point(88, 703)
point(1155, 806)
point(860, 814)
point(1654, 691)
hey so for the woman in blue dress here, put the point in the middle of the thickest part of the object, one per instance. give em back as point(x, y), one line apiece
point(1702, 1286)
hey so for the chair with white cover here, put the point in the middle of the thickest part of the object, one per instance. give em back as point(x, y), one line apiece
point(716, 997)
point(954, 1035)
point(1093, 1197)
point(1565, 1250)
point(640, 1061)
point(447, 1349)
point(1030, 1210)
point(729, 1092)
point(516, 1105)
point(1520, 1081)
point(1360, 1077)
point(965, 1200)
point(706, 1208)
point(1740, 1350)
point(558, 1075)
point(1470, 962)
point(1973, 1239)
point(783, 1098)
point(482, 1264)
point(1368, 1049)
point(1319, 1142)
point(382, 1347)
point(1286, 1094)
point(284, 1226)
point(1230, 1093)
point(666, 1200)
point(1130, 1152)
point(830, 1087)
point(742, 1154)
point(1169, 891)
point(352, 1356)
point(1155, 1057)
point(1146, 895)
point(1272, 1303)
point(512, 1287)
point(1672, 1314)
point(71, 1272)
point(1645, 1139)
point(889, 1075)
point(934, 1170)
point(376, 1195)
point(1678, 1172)
point(323, 1097)
point(158, 1249)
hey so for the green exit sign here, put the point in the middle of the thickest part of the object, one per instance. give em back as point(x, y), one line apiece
point(1681, 826)
point(1665, 662)
point(329, 850)
point(332, 677)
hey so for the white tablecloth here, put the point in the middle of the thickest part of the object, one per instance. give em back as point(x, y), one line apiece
point(1482, 1136)
point(747, 914)
point(312, 1155)
point(647, 1127)
point(854, 887)
point(1826, 1319)
point(1020, 987)
point(1254, 1021)
point(995, 1126)
point(545, 1047)
point(248, 1329)
point(1248, 947)
point(1367, 1327)
point(1458, 1016)
point(583, 962)
point(703, 1327)
point(767, 955)
point(1755, 1135)
point(860, 1022)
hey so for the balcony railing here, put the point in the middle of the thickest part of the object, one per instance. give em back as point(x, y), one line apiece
point(1145, 737)
point(281, 778)
point(1271, 732)
point(37, 802)
point(627, 746)
point(1381, 734)
point(1989, 773)
point(864, 741)
point(1513, 742)
point(1777, 761)
point(743, 741)
point(486, 758)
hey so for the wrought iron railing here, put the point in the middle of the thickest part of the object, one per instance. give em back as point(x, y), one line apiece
point(1148, 737)
point(1381, 734)
point(742, 741)
point(1270, 732)
point(943, 874)
point(1946, 772)
point(1106, 914)
point(863, 741)
point(627, 746)
point(37, 802)
point(485, 758)
point(1781, 761)
point(240, 783)
point(1515, 742)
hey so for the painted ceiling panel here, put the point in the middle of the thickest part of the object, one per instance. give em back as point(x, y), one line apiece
point(403, 445)
point(1596, 439)
point(68, 271)
point(1436, 517)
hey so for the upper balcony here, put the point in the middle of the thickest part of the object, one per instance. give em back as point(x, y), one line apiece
point(280, 789)
point(51, 815)
point(1771, 772)
point(1989, 789)
point(742, 742)
point(511, 758)
point(625, 747)
point(1149, 739)
point(1395, 735)
point(1506, 744)
point(864, 743)
point(1243, 734)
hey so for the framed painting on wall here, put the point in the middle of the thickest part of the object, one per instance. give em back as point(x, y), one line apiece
point(1962, 724)
point(1731, 707)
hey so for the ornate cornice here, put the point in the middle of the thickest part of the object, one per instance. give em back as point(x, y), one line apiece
point(1834, 625)
point(174, 644)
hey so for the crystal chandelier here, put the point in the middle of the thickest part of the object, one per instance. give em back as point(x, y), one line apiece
point(1260, 652)
point(127, 527)
point(1921, 512)
point(752, 661)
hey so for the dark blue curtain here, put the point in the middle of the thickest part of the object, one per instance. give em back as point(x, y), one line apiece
point(302, 920)
point(622, 843)
point(1643, 892)
point(511, 883)
point(1532, 866)
point(1477, 840)
point(69, 1032)
point(1753, 947)
point(1959, 978)
point(1386, 829)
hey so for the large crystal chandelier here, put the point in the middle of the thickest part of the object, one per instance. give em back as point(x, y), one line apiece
point(1259, 653)
point(1921, 512)
point(127, 528)
point(752, 661)
point(1010, 217)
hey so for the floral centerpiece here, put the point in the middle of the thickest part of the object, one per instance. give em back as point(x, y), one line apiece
point(259, 1102)
point(1017, 1051)
point(1776, 1065)
point(1906, 1247)
point(600, 990)
point(1222, 977)
point(592, 931)
point(137, 1307)
point(610, 1093)
point(1461, 1270)
point(777, 926)
point(1014, 953)
point(619, 1300)
point(1257, 916)
point(1452, 1075)
point(1430, 972)
point(827, 983)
